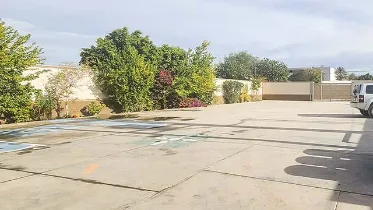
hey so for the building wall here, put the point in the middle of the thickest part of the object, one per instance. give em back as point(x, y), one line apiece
point(291, 91)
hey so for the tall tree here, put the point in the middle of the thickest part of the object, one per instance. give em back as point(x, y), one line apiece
point(124, 65)
point(311, 75)
point(365, 77)
point(196, 79)
point(16, 56)
point(59, 87)
point(341, 73)
point(353, 76)
point(272, 70)
point(239, 66)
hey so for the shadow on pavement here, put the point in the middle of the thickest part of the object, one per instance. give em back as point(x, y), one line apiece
point(352, 170)
point(333, 115)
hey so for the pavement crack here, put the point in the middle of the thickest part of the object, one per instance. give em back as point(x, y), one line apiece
point(336, 205)
point(90, 181)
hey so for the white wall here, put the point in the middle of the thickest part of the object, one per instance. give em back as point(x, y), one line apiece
point(85, 89)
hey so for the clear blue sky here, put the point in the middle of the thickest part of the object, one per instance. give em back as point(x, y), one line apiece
point(299, 32)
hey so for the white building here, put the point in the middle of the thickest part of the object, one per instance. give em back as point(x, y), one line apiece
point(328, 73)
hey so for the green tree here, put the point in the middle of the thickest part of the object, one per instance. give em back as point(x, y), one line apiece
point(239, 66)
point(353, 76)
point(172, 61)
point(272, 70)
point(341, 73)
point(171, 58)
point(311, 75)
point(59, 86)
point(196, 78)
point(124, 66)
point(365, 77)
point(16, 56)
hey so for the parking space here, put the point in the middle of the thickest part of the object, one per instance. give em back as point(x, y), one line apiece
point(265, 155)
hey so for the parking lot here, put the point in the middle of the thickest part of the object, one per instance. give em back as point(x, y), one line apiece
point(265, 155)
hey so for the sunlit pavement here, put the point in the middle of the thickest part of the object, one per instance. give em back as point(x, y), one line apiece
point(265, 155)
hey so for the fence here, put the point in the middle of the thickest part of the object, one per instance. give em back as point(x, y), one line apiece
point(332, 91)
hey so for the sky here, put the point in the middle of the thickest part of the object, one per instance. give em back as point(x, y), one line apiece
point(301, 33)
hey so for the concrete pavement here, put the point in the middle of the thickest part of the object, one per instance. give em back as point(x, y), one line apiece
point(265, 155)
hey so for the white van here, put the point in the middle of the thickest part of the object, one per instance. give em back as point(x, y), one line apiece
point(362, 97)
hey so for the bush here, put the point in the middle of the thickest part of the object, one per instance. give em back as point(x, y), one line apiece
point(232, 91)
point(190, 102)
point(92, 109)
point(245, 94)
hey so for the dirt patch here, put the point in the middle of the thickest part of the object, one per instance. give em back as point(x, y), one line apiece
point(123, 116)
point(14, 168)
point(158, 118)
point(168, 152)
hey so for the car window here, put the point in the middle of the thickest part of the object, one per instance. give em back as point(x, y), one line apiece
point(369, 89)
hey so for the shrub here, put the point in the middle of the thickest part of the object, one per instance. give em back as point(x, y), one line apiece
point(42, 107)
point(232, 91)
point(92, 109)
point(190, 102)
point(245, 94)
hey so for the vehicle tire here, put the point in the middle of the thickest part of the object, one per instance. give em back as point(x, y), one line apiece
point(364, 113)
point(370, 111)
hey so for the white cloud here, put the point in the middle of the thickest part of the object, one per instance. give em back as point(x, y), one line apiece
point(297, 31)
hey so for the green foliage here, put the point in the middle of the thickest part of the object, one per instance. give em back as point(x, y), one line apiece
point(42, 107)
point(256, 83)
point(196, 77)
point(245, 97)
point(59, 86)
point(232, 91)
point(16, 56)
point(272, 70)
point(92, 109)
point(353, 76)
point(239, 66)
point(124, 66)
point(311, 75)
point(341, 73)
point(365, 77)
point(172, 58)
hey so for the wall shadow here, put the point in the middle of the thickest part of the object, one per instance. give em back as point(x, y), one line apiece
point(351, 169)
point(333, 115)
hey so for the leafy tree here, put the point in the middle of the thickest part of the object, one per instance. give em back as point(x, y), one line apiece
point(353, 76)
point(311, 75)
point(172, 61)
point(171, 58)
point(196, 78)
point(124, 66)
point(272, 70)
point(365, 77)
point(341, 73)
point(239, 66)
point(59, 86)
point(16, 56)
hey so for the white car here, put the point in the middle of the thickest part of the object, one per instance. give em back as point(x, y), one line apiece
point(362, 97)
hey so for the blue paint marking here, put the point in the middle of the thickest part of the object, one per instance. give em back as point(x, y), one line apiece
point(76, 124)
point(40, 130)
point(12, 146)
point(125, 124)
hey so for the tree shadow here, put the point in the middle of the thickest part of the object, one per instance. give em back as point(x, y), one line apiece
point(351, 169)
